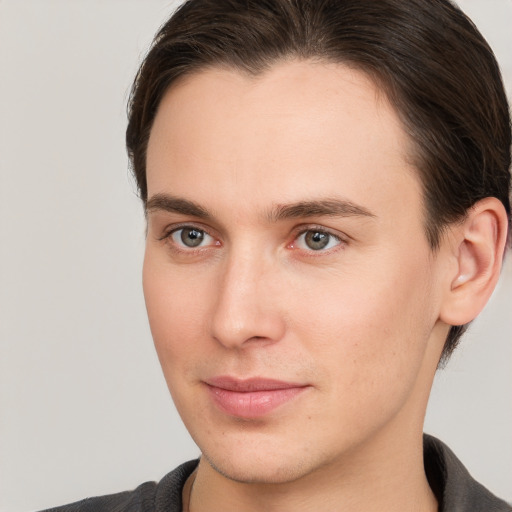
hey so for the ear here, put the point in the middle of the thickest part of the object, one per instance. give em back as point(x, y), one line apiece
point(477, 247)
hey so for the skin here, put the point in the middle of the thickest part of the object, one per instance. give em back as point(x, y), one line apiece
point(361, 323)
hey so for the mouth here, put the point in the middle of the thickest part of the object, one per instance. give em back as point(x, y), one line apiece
point(251, 398)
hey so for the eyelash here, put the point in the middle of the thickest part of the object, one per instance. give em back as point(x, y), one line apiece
point(302, 232)
point(168, 238)
point(299, 232)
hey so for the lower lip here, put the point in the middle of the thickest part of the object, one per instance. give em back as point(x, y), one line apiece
point(252, 404)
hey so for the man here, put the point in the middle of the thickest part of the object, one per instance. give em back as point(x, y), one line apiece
point(326, 187)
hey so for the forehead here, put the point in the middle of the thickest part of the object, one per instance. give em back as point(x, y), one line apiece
point(298, 129)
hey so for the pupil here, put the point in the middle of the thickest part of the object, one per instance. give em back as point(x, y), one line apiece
point(316, 240)
point(192, 237)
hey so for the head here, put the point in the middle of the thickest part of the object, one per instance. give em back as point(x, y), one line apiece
point(309, 169)
point(423, 55)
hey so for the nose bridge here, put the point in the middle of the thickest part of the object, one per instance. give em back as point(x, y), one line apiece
point(245, 310)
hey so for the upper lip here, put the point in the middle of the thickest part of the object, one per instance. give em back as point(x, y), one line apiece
point(252, 384)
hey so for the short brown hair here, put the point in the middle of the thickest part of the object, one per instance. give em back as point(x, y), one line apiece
point(431, 61)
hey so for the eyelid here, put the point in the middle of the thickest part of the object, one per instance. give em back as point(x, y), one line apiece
point(300, 230)
point(173, 228)
point(342, 238)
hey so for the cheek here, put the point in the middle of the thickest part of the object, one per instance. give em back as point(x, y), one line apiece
point(369, 329)
point(367, 355)
point(176, 303)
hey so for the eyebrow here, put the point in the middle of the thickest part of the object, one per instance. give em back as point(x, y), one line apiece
point(319, 208)
point(171, 204)
point(327, 207)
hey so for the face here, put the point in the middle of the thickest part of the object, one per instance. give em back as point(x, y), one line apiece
point(291, 292)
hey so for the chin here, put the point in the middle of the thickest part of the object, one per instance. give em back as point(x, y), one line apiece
point(259, 471)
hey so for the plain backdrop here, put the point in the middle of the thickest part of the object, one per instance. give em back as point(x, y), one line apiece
point(84, 409)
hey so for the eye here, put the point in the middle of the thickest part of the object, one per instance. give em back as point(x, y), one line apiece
point(316, 240)
point(191, 237)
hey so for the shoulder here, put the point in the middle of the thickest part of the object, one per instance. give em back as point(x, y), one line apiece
point(147, 497)
point(454, 487)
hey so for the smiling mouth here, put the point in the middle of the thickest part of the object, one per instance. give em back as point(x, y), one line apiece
point(251, 398)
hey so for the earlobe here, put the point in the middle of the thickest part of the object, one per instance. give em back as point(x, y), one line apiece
point(478, 249)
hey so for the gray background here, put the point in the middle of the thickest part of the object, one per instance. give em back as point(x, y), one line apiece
point(84, 409)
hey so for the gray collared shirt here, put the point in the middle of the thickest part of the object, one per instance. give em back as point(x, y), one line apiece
point(454, 487)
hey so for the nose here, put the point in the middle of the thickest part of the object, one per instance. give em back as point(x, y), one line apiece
point(246, 310)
